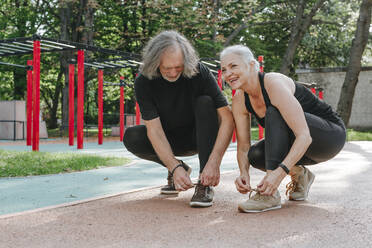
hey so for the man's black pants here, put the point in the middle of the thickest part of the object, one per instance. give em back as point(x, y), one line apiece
point(186, 141)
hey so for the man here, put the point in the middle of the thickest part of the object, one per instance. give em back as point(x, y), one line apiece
point(184, 113)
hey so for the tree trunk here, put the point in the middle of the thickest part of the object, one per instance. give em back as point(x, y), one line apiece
point(300, 25)
point(65, 15)
point(20, 75)
point(358, 45)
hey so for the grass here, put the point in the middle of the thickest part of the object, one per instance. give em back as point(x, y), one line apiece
point(91, 132)
point(19, 164)
point(352, 135)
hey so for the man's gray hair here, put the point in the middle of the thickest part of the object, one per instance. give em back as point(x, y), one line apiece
point(244, 52)
point(159, 44)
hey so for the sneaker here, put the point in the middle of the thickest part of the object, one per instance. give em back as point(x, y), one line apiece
point(170, 189)
point(203, 196)
point(301, 181)
point(260, 203)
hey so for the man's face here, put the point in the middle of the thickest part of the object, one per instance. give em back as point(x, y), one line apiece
point(171, 64)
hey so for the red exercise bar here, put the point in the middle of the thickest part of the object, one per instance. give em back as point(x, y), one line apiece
point(29, 103)
point(100, 107)
point(260, 129)
point(71, 104)
point(36, 96)
point(321, 94)
point(121, 108)
point(313, 90)
point(138, 115)
point(219, 79)
point(80, 100)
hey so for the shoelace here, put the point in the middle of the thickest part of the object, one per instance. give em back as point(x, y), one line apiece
point(200, 189)
point(291, 186)
point(257, 196)
point(253, 190)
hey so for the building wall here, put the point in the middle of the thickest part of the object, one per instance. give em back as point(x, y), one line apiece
point(331, 80)
point(12, 111)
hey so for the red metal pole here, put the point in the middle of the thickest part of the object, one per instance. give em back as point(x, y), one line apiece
point(261, 129)
point(321, 94)
point(29, 103)
point(219, 79)
point(71, 106)
point(121, 109)
point(313, 90)
point(100, 107)
point(80, 100)
point(36, 96)
point(234, 133)
point(138, 115)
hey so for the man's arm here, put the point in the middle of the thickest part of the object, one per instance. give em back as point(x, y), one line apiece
point(163, 149)
point(211, 172)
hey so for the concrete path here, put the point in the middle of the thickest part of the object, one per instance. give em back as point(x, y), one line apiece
point(29, 193)
point(338, 213)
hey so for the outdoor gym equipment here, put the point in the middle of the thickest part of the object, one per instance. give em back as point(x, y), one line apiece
point(37, 44)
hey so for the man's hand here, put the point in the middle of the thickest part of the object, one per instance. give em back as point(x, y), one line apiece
point(181, 179)
point(242, 183)
point(211, 174)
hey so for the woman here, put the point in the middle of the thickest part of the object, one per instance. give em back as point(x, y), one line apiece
point(300, 130)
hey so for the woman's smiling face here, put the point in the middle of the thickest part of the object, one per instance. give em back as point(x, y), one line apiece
point(234, 70)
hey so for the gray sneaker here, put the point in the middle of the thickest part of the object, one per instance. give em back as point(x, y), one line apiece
point(203, 196)
point(301, 181)
point(260, 203)
point(170, 189)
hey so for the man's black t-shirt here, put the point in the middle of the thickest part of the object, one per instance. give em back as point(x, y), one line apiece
point(173, 101)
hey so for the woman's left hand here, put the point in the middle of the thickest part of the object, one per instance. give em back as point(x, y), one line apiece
point(270, 183)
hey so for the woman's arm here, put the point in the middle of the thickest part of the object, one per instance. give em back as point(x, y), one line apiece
point(281, 93)
point(243, 132)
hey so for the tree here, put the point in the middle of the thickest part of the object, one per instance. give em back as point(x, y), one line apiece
point(353, 69)
point(299, 27)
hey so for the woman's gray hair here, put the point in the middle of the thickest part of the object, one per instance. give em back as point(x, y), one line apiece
point(152, 52)
point(244, 52)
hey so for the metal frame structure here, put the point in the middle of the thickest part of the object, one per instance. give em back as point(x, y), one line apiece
point(37, 44)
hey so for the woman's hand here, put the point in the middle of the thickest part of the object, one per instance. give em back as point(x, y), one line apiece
point(271, 181)
point(242, 183)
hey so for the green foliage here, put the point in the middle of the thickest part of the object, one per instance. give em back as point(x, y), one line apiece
point(128, 25)
point(15, 164)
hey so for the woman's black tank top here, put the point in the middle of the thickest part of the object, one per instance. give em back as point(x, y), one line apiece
point(309, 102)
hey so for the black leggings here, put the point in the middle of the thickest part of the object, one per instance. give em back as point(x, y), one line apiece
point(187, 141)
point(328, 138)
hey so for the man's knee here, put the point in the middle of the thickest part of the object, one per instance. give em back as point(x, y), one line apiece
point(134, 136)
